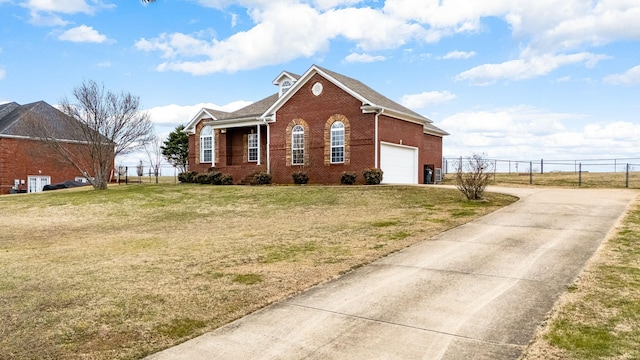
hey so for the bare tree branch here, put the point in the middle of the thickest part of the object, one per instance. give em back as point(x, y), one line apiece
point(99, 126)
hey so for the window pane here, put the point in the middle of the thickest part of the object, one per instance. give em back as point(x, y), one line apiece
point(297, 145)
point(206, 144)
point(253, 147)
point(337, 142)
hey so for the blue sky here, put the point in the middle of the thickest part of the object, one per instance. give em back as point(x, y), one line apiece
point(512, 79)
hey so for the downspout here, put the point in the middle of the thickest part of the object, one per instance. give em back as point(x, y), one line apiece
point(376, 138)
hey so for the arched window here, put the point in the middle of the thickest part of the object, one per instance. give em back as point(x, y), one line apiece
point(337, 142)
point(297, 145)
point(206, 144)
point(286, 85)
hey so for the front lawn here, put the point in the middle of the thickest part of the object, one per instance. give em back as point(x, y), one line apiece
point(129, 271)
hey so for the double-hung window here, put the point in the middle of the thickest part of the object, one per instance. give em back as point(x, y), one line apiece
point(206, 144)
point(253, 147)
point(297, 145)
point(337, 142)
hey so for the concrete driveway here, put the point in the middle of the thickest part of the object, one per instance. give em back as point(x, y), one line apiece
point(475, 292)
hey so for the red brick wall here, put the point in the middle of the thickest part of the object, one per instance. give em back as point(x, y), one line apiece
point(230, 152)
point(315, 111)
point(20, 158)
point(410, 134)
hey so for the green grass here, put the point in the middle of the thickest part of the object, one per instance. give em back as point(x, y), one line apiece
point(600, 316)
point(123, 273)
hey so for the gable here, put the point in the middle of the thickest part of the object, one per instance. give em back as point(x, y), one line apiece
point(371, 100)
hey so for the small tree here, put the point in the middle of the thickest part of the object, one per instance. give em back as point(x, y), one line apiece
point(473, 177)
point(154, 153)
point(101, 125)
point(176, 149)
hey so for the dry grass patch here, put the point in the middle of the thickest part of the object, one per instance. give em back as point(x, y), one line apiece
point(599, 318)
point(565, 179)
point(129, 271)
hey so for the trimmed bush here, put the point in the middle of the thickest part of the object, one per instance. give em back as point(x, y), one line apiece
point(348, 178)
point(202, 179)
point(300, 177)
point(215, 178)
point(187, 177)
point(372, 176)
point(226, 179)
point(262, 178)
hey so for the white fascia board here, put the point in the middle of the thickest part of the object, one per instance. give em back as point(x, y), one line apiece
point(191, 126)
point(234, 123)
point(286, 74)
point(22, 137)
point(370, 109)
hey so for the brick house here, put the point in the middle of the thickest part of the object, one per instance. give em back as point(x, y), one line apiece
point(322, 123)
point(27, 163)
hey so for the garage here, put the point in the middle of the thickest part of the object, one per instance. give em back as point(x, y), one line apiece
point(399, 164)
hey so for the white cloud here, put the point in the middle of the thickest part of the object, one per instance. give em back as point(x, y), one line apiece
point(363, 58)
point(459, 55)
point(423, 100)
point(278, 37)
point(104, 64)
point(522, 69)
point(3, 73)
point(45, 12)
point(525, 133)
point(61, 6)
point(174, 115)
point(548, 31)
point(629, 77)
point(82, 33)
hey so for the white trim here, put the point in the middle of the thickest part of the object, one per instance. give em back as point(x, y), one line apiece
point(249, 147)
point(202, 114)
point(233, 123)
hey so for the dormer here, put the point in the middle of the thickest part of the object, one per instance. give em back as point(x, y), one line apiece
point(285, 81)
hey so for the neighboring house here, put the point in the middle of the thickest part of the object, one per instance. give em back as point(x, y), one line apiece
point(27, 163)
point(322, 123)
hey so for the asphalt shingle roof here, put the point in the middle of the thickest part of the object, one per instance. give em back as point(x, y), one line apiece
point(29, 120)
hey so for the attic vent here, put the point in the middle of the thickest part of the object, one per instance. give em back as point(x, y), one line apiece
point(438, 175)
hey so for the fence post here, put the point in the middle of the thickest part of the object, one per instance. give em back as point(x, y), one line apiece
point(627, 181)
point(541, 166)
point(495, 168)
point(580, 174)
point(126, 175)
point(530, 172)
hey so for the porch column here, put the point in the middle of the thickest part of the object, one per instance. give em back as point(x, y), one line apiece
point(259, 143)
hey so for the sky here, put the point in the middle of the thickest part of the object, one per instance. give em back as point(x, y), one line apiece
point(508, 79)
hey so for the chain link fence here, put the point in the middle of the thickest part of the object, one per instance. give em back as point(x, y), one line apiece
point(616, 173)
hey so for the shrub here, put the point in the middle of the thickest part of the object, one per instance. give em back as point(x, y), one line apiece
point(262, 178)
point(348, 178)
point(202, 179)
point(300, 177)
point(226, 179)
point(473, 177)
point(214, 178)
point(187, 177)
point(372, 176)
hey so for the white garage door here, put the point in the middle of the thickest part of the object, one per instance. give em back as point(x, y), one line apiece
point(399, 164)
